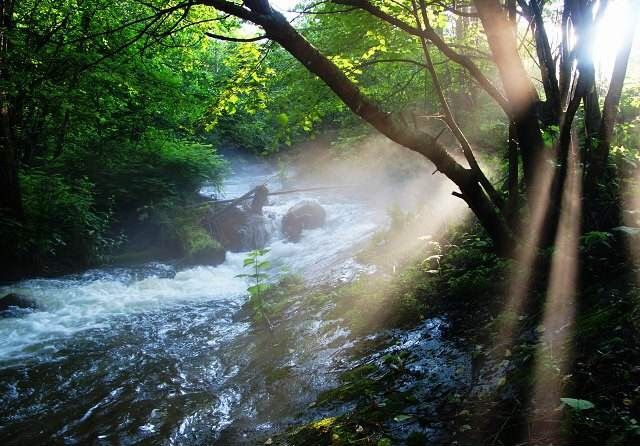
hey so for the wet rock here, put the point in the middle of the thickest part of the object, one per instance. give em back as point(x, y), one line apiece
point(226, 227)
point(260, 199)
point(305, 215)
point(15, 301)
point(239, 229)
point(240, 225)
point(254, 233)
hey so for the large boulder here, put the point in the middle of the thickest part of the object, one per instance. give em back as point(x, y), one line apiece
point(226, 225)
point(14, 301)
point(240, 226)
point(238, 229)
point(307, 214)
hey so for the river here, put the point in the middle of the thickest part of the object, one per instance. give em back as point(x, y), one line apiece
point(155, 354)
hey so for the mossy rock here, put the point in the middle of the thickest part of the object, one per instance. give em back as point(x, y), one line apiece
point(200, 248)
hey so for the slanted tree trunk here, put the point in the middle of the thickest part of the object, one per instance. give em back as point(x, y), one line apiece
point(566, 89)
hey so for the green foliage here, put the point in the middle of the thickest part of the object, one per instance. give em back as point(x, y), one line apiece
point(61, 221)
point(399, 219)
point(183, 231)
point(578, 404)
point(472, 270)
point(268, 300)
point(106, 123)
point(158, 170)
point(550, 135)
point(593, 239)
point(269, 100)
point(625, 150)
point(256, 263)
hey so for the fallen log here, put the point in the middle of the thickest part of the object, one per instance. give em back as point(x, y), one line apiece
point(250, 194)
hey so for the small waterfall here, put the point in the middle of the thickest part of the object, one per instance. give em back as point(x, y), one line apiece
point(255, 234)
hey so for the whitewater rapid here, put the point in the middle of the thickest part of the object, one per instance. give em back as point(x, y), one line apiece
point(71, 305)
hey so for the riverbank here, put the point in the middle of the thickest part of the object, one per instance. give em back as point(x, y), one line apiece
point(478, 390)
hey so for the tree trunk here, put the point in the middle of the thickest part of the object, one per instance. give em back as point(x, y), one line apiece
point(520, 92)
point(599, 157)
point(10, 196)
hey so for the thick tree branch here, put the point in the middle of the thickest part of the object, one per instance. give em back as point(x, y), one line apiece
point(235, 39)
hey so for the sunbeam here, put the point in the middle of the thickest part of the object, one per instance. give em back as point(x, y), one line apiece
point(554, 353)
point(631, 219)
point(522, 275)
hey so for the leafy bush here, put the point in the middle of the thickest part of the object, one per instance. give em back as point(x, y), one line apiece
point(102, 142)
point(61, 222)
point(158, 170)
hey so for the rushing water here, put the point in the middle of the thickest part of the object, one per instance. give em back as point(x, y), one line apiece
point(155, 355)
point(151, 354)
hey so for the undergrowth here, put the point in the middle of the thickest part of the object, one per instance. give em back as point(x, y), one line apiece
point(466, 283)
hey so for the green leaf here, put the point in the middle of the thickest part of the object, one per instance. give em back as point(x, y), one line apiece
point(578, 404)
point(282, 119)
point(402, 417)
point(257, 289)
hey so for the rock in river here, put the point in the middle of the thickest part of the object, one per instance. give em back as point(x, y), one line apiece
point(13, 301)
point(307, 214)
point(238, 229)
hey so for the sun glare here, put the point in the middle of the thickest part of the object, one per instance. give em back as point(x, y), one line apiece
point(609, 36)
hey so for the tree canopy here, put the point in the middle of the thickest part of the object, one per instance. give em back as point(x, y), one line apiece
point(500, 96)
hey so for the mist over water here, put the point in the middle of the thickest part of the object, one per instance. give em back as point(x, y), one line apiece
point(161, 355)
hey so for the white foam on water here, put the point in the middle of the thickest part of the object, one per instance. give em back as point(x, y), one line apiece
point(66, 307)
point(320, 250)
